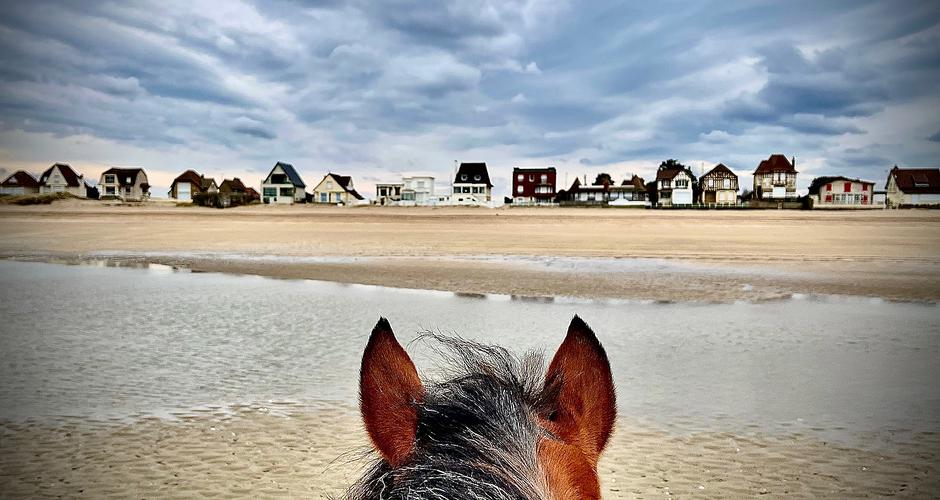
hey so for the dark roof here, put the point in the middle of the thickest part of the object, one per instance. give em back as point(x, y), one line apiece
point(638, 183)
point(206, 182)
point(343, 181)
point(71, 177)
point(123, 173)
point(917, 180)
point(475, 174)
point(232, 185)
point(776, 163)
point(20, 179)
point(291, 174)
point(189, 176)
point(533, 169)
point(667, 173)
point(821, 181)
point(719, 168)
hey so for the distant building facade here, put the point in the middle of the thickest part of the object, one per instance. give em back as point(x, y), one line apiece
point(605, 192)
point(471, 185)
point(283, 185)
point(418, 190)
point(336, 189)
point(388, 193)
point(719, 186)
point(842, 192)
point(19, 183)
point(61, 178)
point(775, 179)
point(533, 186)
point(128, 184)
point(912, 187)
point(674, 187)
point(189, 184)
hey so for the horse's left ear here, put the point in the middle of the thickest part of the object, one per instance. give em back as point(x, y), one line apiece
point(389, 388)
point(585, 407)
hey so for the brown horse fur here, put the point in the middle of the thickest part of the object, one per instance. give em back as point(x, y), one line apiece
point(496, 429)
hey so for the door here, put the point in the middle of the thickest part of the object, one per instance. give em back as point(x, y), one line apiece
point(183, 191)
point(780, 192)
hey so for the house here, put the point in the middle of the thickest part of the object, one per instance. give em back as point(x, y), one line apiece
point(60, 178)
point(775, 178)
point(335, 188)
point(674, 186)
point(232, 192)
point(604, 191)
point(19, 183)
point(842, 192)
point(251, 195)
point(189, 184)
point(418, 190)
point(128, 184)
point(471, 185)
point(719, 186)
point(283, 185)
point(533, 186)
point(388, 193)
point(911, 187)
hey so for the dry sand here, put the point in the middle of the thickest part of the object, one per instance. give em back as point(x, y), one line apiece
point(314, 455)
point(729, 255)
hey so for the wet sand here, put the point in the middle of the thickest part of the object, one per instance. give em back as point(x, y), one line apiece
point(731, 255)
point(315, 455)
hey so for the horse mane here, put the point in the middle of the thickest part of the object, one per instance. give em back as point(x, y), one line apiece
point(478, 432)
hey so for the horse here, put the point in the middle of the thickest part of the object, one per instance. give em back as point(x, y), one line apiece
point(499, 427)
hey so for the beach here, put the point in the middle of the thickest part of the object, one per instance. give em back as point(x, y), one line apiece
point(634, 258)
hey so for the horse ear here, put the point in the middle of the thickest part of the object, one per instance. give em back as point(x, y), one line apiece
point(585, 405)
point(389, 387)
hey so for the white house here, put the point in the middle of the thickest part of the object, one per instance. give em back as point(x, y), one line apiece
point(283, 185)
point(471, 185)
point(418, 191)
point(128, 184)
point(913, 187)
point(842, 192)
point(60, 178)
point(19, 183)
point(674, 187)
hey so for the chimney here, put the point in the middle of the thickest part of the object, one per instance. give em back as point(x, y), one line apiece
point(793, 161)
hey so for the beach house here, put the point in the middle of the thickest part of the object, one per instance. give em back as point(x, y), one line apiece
point(334, 189)
point(417, 190)
point(232, 192)
point(913, 187)
point(128, 184)
point(533, 185)
point(842, 192)
point(283, 185)
point(775, 179)
point(388, 193)
point(471, 185)
point(719, 186)
point(189, 184)
point(674, 186)
point(61, 178)
point(19, 183)
point(605, 191)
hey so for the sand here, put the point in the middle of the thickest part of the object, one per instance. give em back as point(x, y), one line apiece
point(728, 255)
point(700, 255)
point(317, 454)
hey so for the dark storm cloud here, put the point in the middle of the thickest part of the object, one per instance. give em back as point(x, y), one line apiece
point(592, 82)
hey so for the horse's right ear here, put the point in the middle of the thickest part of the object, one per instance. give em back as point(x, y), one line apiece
point(389, 389)
point(585, 406)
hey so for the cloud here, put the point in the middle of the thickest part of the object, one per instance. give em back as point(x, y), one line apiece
point(375, 88)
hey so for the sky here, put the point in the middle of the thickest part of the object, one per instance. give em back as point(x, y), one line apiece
point(378, 89)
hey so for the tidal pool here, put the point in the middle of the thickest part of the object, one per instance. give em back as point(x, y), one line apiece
point(101, 342)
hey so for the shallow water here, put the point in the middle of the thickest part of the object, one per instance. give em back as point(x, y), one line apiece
point(102, 343)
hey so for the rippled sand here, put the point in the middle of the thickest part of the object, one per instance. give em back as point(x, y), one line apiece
point(314, 455)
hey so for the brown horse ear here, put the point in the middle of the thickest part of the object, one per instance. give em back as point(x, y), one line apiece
point(389, 388)
point(585, 406)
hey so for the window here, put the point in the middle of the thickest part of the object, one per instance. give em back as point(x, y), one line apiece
point(544, 179)
point(109, 190)
point(463, 177)
point(666, 184)
point(848, 187)
point(519, 189)
point(829, 187)
point(127, 180)
point(477, 178)
point(711, 182)
point(727, 183)
point(270, 191)
point(420, 184)
point(682, 183)
point(828, 198)
point(520, 177)
point(531, 177)
point(110, 179)
point(278, 179)
point(287, 191)
point(324, 197)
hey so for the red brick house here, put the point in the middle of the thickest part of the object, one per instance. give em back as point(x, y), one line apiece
point(533, 185)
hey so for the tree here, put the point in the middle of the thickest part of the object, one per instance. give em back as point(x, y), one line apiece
point(602, 179)
point(674, 164)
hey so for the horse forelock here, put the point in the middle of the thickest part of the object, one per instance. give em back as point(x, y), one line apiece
point(478, 430)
